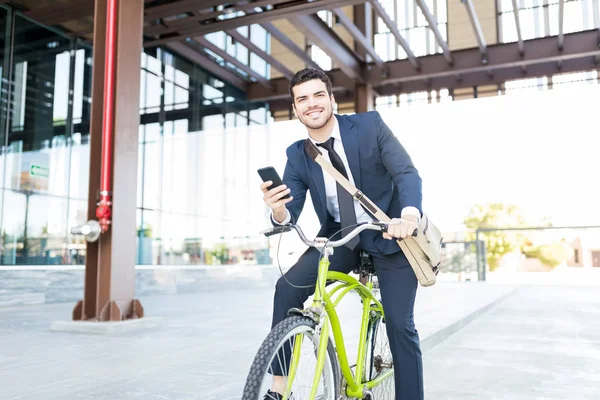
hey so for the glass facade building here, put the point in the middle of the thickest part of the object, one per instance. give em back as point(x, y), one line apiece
point(44, 159)
point(200, 141)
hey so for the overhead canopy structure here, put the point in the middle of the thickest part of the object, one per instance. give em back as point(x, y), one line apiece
point(182, 26)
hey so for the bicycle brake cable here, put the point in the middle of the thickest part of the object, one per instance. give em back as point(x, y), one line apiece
point(322, 252)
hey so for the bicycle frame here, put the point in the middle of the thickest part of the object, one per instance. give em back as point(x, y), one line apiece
point(329, 319)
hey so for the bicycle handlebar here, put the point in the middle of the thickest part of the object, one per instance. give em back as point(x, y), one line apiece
point(376, 225)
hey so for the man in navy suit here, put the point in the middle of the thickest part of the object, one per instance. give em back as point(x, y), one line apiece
point(363, 148)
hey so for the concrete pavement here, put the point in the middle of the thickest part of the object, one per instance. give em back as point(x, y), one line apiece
point(480, 341)
point(543, 342)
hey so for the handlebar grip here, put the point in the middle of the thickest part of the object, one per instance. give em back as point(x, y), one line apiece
point(384, 227)
point(277, 230)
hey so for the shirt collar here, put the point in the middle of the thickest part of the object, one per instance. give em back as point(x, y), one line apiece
point(335, 132)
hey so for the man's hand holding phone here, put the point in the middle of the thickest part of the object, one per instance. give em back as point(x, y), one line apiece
point(273, 198)
point(275, 193)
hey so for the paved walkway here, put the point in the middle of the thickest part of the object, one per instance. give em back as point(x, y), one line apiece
point(543, 342)
point(204, 344)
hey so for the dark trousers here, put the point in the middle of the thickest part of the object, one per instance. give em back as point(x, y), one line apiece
point(398, 286)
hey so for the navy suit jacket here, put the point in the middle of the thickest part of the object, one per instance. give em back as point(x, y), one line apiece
point(381, 168)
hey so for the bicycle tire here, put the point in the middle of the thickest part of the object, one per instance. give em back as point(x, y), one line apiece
point(270, 346)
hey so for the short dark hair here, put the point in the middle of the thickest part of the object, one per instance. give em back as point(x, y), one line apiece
point(308, 74)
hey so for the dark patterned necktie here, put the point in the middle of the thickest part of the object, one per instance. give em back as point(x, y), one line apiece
point(345, 201)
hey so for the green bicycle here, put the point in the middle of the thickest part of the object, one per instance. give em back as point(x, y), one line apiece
point(299, 350)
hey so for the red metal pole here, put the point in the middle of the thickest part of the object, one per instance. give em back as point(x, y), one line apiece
point(103, 211)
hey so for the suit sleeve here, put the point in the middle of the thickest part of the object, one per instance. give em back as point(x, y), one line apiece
point(399, 165)
point(298, 189)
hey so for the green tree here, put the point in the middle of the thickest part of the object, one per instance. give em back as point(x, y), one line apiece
point(496, 215)
point(550, 254)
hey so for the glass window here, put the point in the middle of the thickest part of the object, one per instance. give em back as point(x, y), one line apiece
point(75, 251)
point(258, 116)
point(78, 86)
point(412, 26)
point(79, 149)
point(152, 168)
point(258, 64)
point(61, 88)
point(182, 79)
point(142, 90)
point(320, 57)
point(240, 119)
point(37, 227)
point(540, 18)
point(45, 159)
point(179, 153)
point(149, 242)
point(211, 94)
point(153, 65)
point(258, 36)
point(213, 122)
point(153, 90)
point(574, 78)
point(4, 44)
point(218, 39)
point(230, 120)
point(182, 97)
point(169, 95)
point(175, 229)
point(240, 52)
point(41, 73)
point(169, 72)
point(140, 175)
point(13, 227)
point(38, 157)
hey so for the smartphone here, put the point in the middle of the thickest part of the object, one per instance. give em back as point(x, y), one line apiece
point(270, 174)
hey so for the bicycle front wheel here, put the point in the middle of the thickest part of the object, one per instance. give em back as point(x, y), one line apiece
point(286, 361)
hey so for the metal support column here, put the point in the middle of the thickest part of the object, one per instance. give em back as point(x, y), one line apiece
point(110, 257)
point(478, 255)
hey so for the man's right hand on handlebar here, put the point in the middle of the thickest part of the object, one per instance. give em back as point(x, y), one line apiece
point(400, 228)
point(273, 199)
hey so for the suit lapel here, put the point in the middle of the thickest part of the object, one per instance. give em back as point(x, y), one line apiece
point(349, 135)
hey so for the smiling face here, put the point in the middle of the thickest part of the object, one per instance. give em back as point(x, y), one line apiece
point(312, 104)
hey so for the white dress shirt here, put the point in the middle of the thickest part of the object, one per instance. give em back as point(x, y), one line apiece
point(331, 185)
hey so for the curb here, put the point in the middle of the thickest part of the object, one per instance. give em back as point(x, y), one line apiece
point(105, 328)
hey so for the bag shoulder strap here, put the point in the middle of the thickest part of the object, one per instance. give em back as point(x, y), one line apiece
point(315, 154)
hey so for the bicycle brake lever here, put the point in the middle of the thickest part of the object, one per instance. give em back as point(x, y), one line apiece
point(381, 224)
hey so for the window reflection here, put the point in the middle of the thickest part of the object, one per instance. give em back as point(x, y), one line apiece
point(149, 243)
point(184, 155)
point(75, 248)
point(41, 79)
point(3, 89)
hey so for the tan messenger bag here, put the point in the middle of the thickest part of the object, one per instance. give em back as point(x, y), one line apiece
point(423, 251)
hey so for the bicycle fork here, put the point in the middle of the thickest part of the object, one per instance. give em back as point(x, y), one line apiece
point(322, 332)
point(321, 354)
point(318, 314)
